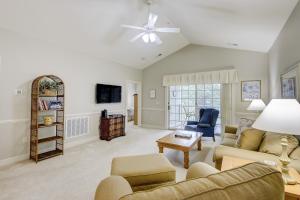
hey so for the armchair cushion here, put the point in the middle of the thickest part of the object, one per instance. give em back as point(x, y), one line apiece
point(113, 188)
point(205, 116)
point(200, 170)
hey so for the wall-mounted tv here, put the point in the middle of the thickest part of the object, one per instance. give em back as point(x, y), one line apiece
point(108, 93)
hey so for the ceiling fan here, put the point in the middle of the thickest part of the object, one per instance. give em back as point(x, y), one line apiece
point(149, 30)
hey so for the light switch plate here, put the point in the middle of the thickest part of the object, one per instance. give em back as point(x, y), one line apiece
point(18, 92)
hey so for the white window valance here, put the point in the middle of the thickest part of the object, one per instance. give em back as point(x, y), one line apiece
point(210, 77)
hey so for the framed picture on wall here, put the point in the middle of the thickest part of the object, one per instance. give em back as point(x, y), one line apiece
point(251, 90)
point(288, 88)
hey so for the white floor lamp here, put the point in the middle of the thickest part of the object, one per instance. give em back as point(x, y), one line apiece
point(281, 116)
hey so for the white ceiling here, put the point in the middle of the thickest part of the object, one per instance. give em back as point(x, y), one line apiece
point(93, 26)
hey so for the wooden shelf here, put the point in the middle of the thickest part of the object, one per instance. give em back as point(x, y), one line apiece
point(41, 95)
point(49, 154)
point(57, 132)
point(49, 139)
point(54, 124)
point(51, 110)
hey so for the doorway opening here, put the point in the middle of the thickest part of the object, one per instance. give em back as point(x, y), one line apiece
point(133, 107)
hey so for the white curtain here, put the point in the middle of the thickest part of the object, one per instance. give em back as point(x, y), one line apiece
point(226, 105)
point(210, 77)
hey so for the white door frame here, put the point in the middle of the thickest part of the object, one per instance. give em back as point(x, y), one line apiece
point(139, 92)
point(167, 107)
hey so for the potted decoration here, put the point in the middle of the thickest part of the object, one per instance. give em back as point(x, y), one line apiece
point(48, 87)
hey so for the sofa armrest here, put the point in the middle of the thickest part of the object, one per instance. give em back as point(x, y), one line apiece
point(200, 170)
point(230, 129)
point(112, 188)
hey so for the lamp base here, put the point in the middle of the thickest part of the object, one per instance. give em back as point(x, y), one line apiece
point(285, 161)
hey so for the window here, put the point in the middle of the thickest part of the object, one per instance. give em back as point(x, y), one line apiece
point(185, 101)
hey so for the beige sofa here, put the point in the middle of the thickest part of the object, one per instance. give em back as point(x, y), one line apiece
point(228, 148)
point(254, 181)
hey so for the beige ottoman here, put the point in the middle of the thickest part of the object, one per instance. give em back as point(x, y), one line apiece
point(144, 171)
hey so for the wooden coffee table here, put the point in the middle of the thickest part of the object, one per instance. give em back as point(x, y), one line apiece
point(292, 192)
point(180, 144)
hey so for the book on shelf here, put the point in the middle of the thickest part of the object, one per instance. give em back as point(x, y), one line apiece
point(49, 105)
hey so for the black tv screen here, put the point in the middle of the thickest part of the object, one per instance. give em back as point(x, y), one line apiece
point(108, 93)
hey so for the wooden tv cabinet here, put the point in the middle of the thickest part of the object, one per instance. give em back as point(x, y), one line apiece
point(111, 127)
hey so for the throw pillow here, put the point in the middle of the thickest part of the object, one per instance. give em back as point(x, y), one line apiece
point(251, 139)
point(272, 143)
point(243, 125)
point(295, 154)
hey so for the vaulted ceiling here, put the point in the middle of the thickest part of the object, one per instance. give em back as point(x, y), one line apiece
point(93, 26)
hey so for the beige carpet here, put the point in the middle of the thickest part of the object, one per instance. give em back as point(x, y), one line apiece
point(76, 175)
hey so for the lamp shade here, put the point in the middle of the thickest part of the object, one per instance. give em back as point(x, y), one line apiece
point(257, 105)
point(280, 116)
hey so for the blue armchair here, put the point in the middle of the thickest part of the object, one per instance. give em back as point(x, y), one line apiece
point(206, 124)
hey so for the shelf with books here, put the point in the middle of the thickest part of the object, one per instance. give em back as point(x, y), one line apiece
point(41, 103)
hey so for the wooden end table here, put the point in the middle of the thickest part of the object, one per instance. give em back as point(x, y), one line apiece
point(292, 192)
point(180, 144)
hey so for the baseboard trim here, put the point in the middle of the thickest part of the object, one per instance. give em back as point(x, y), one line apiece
point(81, 141)
point(13, 160)
point(19, 158)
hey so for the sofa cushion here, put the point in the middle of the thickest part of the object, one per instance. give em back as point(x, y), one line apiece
point(250, 139)
point(230, 135)
point(227, 141)
point(272, 143)
point(295, 164)
point(252, 181)
point(221, 151)
point(142, 170)
point(295, 154)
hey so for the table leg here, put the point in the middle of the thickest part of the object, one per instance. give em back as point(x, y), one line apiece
point(199, 145)
point(186, 159)
point(161, 149)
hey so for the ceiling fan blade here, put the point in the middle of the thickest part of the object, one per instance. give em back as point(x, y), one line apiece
point(137, 37)
point(168, 30)
point(152, 19)
point(133, 27)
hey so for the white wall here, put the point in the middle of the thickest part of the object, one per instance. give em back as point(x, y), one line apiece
point(23, 59)
point(195, 58)
point(285, 52)
point(131, 90)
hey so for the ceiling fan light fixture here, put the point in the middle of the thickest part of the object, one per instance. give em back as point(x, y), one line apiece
point(152, 37)
point(146, 38)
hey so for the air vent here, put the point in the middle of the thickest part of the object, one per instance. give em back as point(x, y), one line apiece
point(77, 126)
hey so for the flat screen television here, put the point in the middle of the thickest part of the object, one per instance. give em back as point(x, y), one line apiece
point(108, 93)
